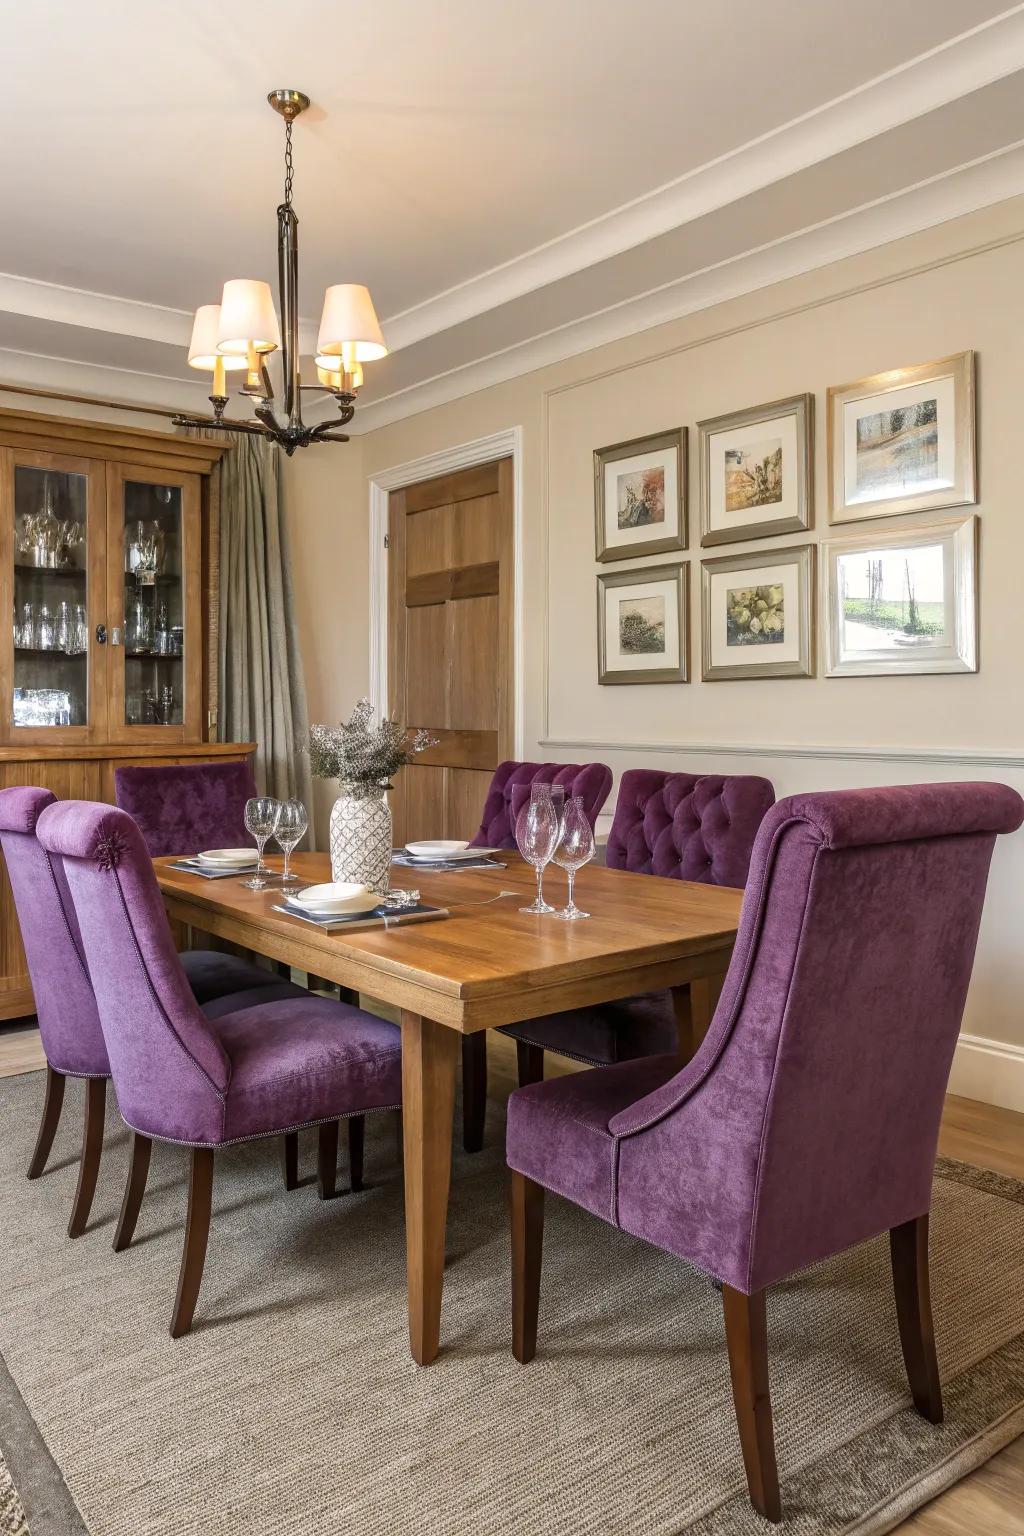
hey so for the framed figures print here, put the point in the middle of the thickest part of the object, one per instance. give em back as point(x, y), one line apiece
point(643, 625)
point(756, 474)
point(903, 441)
point(903, 601)
point(757, 615)
point(640, 503)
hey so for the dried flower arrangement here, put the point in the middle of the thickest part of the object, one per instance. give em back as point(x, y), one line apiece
point(359, 756)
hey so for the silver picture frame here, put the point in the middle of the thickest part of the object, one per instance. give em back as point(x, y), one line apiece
point(956, 650)
point(800, 410)
point(673, 448)
point(802, 558)
point(678, 573)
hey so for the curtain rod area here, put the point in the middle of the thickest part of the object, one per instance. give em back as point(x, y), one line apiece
point(107, 405)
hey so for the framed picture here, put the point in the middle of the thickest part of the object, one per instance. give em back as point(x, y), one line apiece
point(643, 625)
point(903, 601)
point(756, 475)
point(903, 441)
point(757, 615)
point(640, 503)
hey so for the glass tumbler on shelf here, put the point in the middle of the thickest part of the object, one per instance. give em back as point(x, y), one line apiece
point(64, 629)
point(290, 830)
point(575, 848)
point(536, 835)
point(42, 636)
point(260, 821)
point(25, 635)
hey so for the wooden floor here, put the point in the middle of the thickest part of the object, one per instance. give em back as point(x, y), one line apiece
point(988, 1503)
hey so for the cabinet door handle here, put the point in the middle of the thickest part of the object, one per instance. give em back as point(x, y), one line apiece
point(101, 634)
point(115, 636)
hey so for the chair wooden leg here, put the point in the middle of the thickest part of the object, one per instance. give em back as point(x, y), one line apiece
point(746, 1335)
point(138, 1172)
point(400, 1137)
point(92, 1147)
point(197, 1231)
point(474, 1090)
point(327, 1160)
point(356, 1135)
point(908, 1246)
point(530, 1061)
point(48, 1125)
point(526, 1202)
point(290, 1159)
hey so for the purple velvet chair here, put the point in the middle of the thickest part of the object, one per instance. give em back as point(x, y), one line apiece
point(69, 1025)
point(808, 1119)
point(683, 826)
point(509, 791)
point(183, 1076)
point(188, 807)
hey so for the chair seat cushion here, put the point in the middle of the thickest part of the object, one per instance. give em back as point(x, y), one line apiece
point(278, 992)
point(558, 1130)
point(611, 1032)
point(304, 1060)
point(211, 974)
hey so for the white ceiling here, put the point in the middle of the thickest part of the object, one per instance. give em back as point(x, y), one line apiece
point(514, 179)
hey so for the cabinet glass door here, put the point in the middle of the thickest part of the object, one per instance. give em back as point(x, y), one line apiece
point(54, 541)
point(157, 527)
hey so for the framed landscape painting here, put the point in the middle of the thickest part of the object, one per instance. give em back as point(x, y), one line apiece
point(640, 496)
point(903, 441)
point(643, 625)
point(757, 615)
point(756, 471)
point(903, 601)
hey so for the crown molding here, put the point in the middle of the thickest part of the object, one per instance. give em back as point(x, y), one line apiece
point(993, 179)
point(963, 64)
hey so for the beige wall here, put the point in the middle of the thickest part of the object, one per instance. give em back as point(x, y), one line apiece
point(955, 287)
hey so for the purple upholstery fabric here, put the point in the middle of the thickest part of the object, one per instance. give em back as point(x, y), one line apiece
point(683, 826)
point(188, 807)
point(510, 790)
point(808, 1119)
point(181, 1076)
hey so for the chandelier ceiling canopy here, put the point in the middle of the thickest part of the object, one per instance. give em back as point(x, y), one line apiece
point(243, 330)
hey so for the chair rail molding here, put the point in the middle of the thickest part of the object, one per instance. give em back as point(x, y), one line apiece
point(481, 450)
point(977, 757)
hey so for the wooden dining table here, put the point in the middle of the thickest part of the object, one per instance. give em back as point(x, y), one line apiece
point(484, 965)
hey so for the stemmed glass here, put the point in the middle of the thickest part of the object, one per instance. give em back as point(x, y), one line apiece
point(260, 821)
point(290, 829)
point(537, 828)
point(575, 848)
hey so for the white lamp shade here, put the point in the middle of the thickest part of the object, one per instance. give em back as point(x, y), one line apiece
point(349, 326)
point(202, 349)
point(247, 318)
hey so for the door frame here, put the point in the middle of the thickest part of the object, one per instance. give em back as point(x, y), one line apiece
point(482, 450)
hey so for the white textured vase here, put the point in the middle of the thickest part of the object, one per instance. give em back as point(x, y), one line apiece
point(361, 835)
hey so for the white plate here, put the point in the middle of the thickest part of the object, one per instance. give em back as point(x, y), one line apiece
point(444, 850)
point(335, 898)
point(223, 857)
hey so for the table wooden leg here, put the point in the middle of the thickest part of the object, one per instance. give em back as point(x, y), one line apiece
point(430, 1052)
point(704, 994)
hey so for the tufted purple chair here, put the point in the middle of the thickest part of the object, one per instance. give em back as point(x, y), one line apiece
point(188, 807)
point(808, 1119)
point(182, 1076)
point(683, 826)
point(69, 1025)
point(509, 791)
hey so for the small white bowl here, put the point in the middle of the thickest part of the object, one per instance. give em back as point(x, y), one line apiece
point(336, 897)
point(228, 857)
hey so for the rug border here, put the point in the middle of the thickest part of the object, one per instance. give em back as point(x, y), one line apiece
point(49, 1508)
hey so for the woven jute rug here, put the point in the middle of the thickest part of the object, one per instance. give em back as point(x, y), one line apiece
point(293, 1407)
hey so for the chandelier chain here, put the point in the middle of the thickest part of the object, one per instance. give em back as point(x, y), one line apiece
point(289, 169)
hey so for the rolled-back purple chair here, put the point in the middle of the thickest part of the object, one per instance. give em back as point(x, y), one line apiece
point(682, 826)
point(808, 1120)
point(203, 1081)
point(188, 807)
point(509, 791)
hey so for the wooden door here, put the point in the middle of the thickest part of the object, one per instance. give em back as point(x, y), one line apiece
point(450, 643)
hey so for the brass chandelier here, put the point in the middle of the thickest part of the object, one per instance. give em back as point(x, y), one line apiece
point(242, 330)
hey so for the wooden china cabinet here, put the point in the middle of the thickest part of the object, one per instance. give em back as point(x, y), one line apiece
point(108, 602)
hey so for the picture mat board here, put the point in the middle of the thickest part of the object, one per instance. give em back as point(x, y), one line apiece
point(669, 583)
point(793, 656)
point(665, 449)
point(791, 423)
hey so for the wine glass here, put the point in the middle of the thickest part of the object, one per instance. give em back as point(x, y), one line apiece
point(536, 836)
point(290, 829)
point(575, 848)
point(260, 820)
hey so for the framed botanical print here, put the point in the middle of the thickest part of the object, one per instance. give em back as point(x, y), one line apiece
point(640, 505)
point(757, 615)
point(756, 475)
point(643, 625)
point(901, 601)
point(903, 441)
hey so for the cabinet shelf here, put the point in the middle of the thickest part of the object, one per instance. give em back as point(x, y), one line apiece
point(153, 656)
point(38, 650)
point(65, 571)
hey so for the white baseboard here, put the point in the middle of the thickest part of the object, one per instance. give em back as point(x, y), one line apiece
point(989, 1070)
